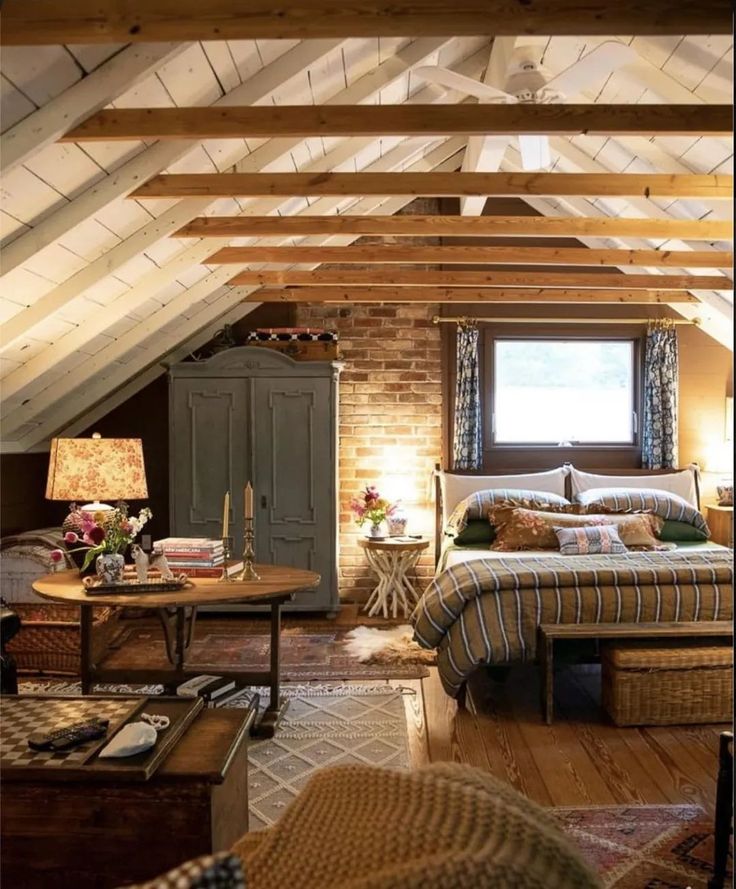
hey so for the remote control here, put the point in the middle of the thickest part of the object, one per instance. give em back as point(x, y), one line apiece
point(70, 735)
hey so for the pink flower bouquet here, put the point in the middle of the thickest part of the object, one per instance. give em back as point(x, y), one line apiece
point(109, 531)
point(371, 507)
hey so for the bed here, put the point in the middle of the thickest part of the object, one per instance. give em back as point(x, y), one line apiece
point(484, 606)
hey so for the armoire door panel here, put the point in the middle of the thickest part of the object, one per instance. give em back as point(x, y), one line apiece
point(294, 552)
point(211, 421)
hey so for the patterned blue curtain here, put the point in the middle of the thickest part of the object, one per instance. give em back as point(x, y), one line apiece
point(467, 444)
point(659, 426)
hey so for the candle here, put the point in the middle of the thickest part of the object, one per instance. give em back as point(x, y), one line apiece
point(226, 515)
point(249, 501)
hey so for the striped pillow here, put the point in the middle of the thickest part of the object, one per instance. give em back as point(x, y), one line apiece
point(668, 506)
point(589, 541)
point(478, 504)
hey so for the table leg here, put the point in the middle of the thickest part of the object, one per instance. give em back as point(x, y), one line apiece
point(266, 726)
point(545, 651)
point(85, 647)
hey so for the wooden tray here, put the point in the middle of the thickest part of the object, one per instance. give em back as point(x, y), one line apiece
point(133, 586)
point(181, 712)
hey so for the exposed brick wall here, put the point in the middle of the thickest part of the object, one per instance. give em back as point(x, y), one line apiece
point(390, 418)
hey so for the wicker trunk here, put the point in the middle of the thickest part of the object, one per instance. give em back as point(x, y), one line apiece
point(667, 684)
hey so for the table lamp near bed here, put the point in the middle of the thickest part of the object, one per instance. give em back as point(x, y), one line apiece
point(720, 463)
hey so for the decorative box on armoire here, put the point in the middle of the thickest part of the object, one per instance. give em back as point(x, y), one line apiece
point(250, 414)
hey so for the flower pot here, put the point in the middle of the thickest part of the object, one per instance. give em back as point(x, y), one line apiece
point(109, 567)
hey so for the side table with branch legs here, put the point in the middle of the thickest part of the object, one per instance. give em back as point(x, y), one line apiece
point(392, 560)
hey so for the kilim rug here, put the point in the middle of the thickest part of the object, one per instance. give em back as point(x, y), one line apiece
point(644, 847)
point(308, 653)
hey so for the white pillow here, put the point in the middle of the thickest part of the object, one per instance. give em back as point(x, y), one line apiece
point(680, 483)
point(455, 488)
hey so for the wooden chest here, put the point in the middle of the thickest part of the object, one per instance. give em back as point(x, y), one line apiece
point(667, 683)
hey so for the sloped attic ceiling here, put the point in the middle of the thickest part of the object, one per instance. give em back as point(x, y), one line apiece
point(95, 293)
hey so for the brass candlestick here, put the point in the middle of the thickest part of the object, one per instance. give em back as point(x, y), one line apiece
point(225, 577)
point(248, 572)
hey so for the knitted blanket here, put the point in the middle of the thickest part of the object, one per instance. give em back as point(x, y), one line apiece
point(444, 826)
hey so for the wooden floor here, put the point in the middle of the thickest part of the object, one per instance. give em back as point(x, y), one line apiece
point(581, 759)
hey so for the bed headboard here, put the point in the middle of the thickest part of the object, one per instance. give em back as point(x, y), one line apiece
point(439, 506)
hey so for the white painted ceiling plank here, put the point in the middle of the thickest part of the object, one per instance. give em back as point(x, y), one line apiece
point(81, 100)
point(40, 72)
point(55, 394)
point(183, 211)
point(154, 159)
point(14, 105)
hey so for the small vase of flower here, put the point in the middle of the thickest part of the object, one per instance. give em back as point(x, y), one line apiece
point(102, 539)
point(371, 507)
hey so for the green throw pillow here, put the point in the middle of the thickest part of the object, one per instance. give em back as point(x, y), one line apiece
point(476, 531)
point(680, 532)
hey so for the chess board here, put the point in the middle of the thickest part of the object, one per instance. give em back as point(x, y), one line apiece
point(24, 715)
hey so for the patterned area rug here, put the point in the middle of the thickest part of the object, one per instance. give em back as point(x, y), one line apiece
point(644, 847)
point(324, 730)
point(314, 653)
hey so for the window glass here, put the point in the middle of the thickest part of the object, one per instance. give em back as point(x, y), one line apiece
point(554, 391)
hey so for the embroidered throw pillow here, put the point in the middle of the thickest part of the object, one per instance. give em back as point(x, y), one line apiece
point(588, 541)
point(519, 529)
point(221, 871)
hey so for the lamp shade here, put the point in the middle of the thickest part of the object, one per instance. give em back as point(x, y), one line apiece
point(96, 469)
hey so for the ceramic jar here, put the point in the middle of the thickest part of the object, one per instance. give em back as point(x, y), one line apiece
point(109, 567)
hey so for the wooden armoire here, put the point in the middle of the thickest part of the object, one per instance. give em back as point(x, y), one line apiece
point(253, 414)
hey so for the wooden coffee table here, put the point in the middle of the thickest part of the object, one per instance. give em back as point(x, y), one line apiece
point(177, 611)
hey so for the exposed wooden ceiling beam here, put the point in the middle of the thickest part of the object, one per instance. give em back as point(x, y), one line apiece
point(465, 295)
point(123, 179)
point(267, 121)
point(394, 277)
point(392, 253)
point(125, 21)
point(116, 75)
point(455, 226)
point(434, 184)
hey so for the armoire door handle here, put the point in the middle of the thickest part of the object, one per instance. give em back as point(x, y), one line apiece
point(264, 501)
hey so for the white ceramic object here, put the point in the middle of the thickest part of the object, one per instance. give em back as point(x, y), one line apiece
point(135, 737)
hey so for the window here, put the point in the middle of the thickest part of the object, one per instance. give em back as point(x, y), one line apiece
point(564, 391)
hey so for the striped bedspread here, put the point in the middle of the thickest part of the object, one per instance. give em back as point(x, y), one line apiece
point(486, 611)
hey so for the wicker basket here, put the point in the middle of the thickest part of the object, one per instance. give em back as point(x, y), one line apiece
point(672, 683)
point(49, 638)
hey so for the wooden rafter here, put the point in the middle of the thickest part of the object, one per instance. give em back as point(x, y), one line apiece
point(264, 155)
point(267, 121)
point(465, 295)
point(156, 158)
point(89, 21)
point(394, 277)
point(81, 99)
point(217, 185)
point(455, 226)
point(392, 253)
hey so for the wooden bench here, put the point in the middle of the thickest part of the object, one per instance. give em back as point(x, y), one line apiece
point(548, 634)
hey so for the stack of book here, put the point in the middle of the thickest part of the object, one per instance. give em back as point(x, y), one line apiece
point(194, 556)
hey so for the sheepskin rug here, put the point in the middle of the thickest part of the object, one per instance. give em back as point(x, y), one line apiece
point(370, 645)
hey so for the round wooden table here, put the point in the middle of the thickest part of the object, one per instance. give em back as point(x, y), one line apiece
point(177, 611)
point(392, 560)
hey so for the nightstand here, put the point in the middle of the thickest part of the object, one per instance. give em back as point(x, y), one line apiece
point(720, 522)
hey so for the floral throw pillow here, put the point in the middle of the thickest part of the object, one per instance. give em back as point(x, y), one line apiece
point(520, 529)
point(589, 541)
point(221, 871)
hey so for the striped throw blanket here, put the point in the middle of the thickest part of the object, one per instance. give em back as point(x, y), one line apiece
point(487, 611)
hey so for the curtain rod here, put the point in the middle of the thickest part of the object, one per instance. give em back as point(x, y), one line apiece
point(438, 319)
